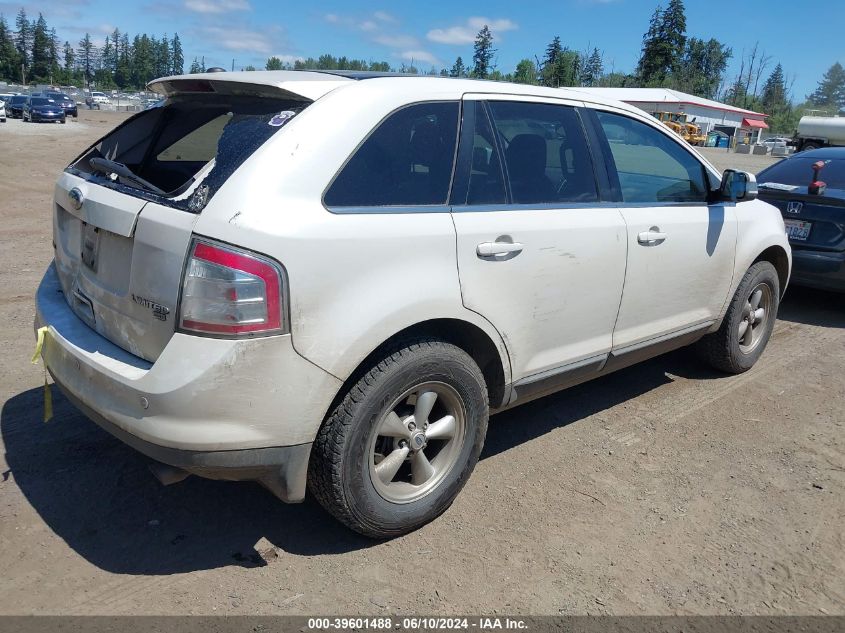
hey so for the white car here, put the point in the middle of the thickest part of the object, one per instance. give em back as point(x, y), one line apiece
point(2, 111)
point(99, 98)
point(329, 282)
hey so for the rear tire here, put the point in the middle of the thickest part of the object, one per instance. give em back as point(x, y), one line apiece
point(372, 466)
point(806, 147)
point(748, 323)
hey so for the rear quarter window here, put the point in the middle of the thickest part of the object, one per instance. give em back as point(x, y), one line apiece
point(406, 161)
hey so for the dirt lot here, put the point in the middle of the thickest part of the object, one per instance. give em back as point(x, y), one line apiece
point(663, 489)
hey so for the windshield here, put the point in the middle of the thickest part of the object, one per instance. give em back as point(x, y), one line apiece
point(18, 99)
point(798, 172)
point(187, 141)
point(40, 101)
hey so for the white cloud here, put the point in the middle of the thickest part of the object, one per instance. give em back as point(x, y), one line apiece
point(217, 6)
point(420, 56)
point(396, 41)
point(384, 16)
point(465, 34)
point(238, 39)
point(502, 24)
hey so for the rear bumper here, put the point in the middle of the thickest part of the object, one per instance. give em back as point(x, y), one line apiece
point(223, 409)
point(40, 116)
point(818, 269)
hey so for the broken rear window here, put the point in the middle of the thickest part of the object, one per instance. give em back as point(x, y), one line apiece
point(180, 154)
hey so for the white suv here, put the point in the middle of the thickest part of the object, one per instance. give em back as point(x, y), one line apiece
point(329, 282)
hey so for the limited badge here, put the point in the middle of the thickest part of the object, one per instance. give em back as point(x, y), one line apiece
point(281, 118)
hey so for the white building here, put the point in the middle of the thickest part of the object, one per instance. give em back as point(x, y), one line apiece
point(708, 114)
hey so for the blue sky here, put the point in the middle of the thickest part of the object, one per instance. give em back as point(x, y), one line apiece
point(436, 32)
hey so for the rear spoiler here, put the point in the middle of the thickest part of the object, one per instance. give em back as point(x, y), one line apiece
point(292, 84)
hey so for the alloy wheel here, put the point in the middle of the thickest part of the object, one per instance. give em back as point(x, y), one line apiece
point(755, 318)
point(417, 442)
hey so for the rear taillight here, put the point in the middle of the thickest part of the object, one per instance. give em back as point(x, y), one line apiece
point(229, 291)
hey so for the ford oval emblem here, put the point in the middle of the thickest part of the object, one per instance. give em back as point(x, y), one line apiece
point(76, 198)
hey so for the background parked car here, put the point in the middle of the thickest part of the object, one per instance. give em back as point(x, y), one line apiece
point(2, 111)
point(38, 108)
point(67, 103)
point(100, 98)
point(815, 223)
point(777, 140)
point(14, 107)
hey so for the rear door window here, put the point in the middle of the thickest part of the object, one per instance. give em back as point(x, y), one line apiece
point(652, 168)
point(406, 161)
point(547, 158)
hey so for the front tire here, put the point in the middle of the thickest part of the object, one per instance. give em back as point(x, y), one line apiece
point(748, 323)
point(402, 442)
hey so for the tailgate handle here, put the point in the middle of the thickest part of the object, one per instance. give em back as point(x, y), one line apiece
point(85, 303)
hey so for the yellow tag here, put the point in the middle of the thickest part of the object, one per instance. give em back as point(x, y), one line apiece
point(39, 344)
point(48, 395)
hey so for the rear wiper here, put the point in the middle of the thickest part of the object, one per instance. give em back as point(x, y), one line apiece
point(105, 166)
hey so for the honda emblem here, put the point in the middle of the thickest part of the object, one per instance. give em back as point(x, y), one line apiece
point(794, 207)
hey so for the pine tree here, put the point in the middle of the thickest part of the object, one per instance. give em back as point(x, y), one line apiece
point(163, 60)
point(107, 55)
point(177, 57)
point(55, 66)
point(87, 58)
point(274, 63)
point(123, 72)
point(663, 44)
point(195, 67)
point(9, 64)
point(831, 89)
point(774, 91)
point(482, 56)
point(674, 28)
point(458, 68)
point(23, 38)
point(592, 69)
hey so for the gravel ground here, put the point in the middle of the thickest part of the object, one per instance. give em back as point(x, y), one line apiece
point(663, 489)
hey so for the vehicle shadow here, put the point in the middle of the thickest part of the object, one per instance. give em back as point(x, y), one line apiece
point(813, 307)
point(98, 495)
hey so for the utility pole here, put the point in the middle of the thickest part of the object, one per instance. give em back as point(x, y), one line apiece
point(233, 64)
point(23, 74)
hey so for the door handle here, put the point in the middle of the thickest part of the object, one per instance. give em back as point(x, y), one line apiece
point(490, 249)
point(653, 237)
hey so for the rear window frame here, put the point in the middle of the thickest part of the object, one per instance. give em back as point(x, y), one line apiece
point(176, 198)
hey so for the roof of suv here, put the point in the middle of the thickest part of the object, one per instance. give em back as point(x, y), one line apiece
point(313, 84)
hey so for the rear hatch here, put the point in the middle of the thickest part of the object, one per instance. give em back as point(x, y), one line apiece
point(125, 209)
point(812, 221)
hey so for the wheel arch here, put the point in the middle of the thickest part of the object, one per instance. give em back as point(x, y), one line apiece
point(777, 257)
point(462, 334)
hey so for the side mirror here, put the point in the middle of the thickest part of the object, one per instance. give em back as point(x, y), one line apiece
point(738, 186)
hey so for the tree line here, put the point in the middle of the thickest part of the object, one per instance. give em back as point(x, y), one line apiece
point(669, 58)
point(32, 53)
